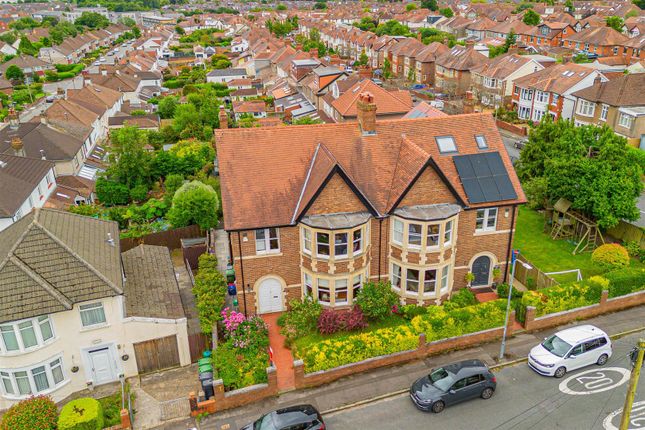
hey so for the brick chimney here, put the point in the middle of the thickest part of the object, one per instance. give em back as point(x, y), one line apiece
point(470, 44)
point(597, 80)
point(223, 118)
point(469, 102)
point(13, 118)
point(366, 113)
point(18, 148)
point(314, 53)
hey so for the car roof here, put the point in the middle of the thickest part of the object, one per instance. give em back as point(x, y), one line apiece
point(466, 367)
point(579, 333)
point(293, 415)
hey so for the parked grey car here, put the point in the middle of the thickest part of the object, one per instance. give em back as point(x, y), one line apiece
point(453, 384)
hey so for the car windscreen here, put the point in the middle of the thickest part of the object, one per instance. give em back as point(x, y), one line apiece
point(442, 379)
point(264, 423)
point(556, 346)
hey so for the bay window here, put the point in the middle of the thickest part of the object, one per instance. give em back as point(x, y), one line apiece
point(306, 240)
point(34, 380)
point(340, 245)
point(429, 281)
point(322, 245)
point(267, 240)
point(419, 282)
point(625, 120)
point(340, 292)
point(414, 235)
point(26, 334)
point(447, 233)
point(396, 276)
point(323, 291)
point(357, 241)
point(486, 219)
point(432, 238)
point(412, 281)
point(397, 234)
point(422, 236)
point(333, 290)
point(586, 108)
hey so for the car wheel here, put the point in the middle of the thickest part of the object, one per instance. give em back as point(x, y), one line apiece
point(487, 393)
point(602, 360)
point(438, 407)
point(559, 372)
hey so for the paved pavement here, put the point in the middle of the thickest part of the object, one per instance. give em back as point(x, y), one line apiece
point(523, 400)
point(365, 386)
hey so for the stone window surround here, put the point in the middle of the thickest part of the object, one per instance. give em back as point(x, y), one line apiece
point(331, 279)
point(439, 291)
point(364, 228)
point(404, 246)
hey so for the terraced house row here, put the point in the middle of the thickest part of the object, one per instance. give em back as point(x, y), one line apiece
point(319, 210)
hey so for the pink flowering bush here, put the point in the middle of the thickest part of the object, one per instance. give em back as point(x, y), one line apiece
point(232, 319)
point(333, 321)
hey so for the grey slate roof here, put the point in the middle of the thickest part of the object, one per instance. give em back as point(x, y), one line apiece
point(50, 260)
point(227, 72)
point(19, 176)
point(151, 289)
point(56, 144)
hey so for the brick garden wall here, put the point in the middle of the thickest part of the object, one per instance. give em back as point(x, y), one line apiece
point(521, 131)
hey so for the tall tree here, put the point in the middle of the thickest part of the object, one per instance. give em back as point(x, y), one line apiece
point(194, 203)
point(615, 22)
point(531, 17)
point(429, 4)
point(14, 74)
point(129, 162)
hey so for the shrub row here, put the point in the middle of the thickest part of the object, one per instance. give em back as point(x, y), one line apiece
point(625, 281)
point(210, 292)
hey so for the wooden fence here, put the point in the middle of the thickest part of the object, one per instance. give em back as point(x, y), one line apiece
point(198, 343)
point(169, 238)
point(157, 354)
point(532, 278)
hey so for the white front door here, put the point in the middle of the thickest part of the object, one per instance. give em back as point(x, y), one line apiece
point(270, 296)
point(102, 363)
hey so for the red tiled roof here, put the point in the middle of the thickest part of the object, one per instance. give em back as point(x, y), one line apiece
point(387, 102)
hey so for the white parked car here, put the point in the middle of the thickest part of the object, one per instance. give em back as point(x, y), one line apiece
point(570, 349)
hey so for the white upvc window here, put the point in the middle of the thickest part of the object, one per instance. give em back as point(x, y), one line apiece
point(322, 245)
point(267, 240)
point(25, 335)
point(554, 100)
point(486, 219)
point(625, 120)
point(357, 284)
point(340, 245)
point(323, 291)
point(526, 94)
point(92, 314)
point(541, 97)
point(309, 289)
point(412, 281)
point(538, 114)
point(432, 236)
point(447, 233)
point(33, 380)
point(444, 279)
point(414, 235)
point(306, 240)
point(429, 282)
point(524, 112)
point(397, 231)
point(357, 241)
point(586, 108)
point(340, 292)
point(603, 112)
point(396, 276)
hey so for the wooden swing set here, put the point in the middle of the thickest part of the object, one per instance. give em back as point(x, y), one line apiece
point(567, 223)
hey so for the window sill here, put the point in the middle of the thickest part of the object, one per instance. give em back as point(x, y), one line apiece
point(94, 327)
point(28, 350)
point(489, 232)
point(41, 393)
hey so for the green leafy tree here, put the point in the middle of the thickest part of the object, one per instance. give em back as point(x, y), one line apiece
point(392, 28)
point(167, 107)
point(26, 47)
point(531, 17)
point(590, 166)
point(320, 5)
point(376, 300)
point(363, 59)
point(568, 5)
point(410, 6)
point(14, 74)
point(366, 24)
point(111, 193)
point(129, 162)
point(429, 4)
point(387, 69)
point(447, 12)
point(180, 31)
point(615, 22)
point(194, 203)
point(281, 7)
point(92, 20)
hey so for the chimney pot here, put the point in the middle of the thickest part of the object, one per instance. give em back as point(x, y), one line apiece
point(366, 113)
point(18, 148)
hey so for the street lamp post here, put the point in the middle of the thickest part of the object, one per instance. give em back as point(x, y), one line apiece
point(514, 260)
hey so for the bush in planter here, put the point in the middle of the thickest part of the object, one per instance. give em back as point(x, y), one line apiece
point(331, 321)
point(625, 281)
point(376, 300)
point(35, 413)
point(301, 319)
point(610, 256)
point(81, 414)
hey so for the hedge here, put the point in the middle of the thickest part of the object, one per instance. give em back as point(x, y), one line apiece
point(35, 413)
point(81, 414)
point(625, 281)
point(210, 292)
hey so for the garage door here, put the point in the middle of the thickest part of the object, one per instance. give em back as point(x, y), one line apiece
point(270, 296)
point(157, 354)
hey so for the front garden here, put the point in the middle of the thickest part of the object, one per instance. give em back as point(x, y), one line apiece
point(378, 326)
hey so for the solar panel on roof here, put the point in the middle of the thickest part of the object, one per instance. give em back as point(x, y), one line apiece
point(484, 177)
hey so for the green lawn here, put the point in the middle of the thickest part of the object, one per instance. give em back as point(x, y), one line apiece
point(551, 255)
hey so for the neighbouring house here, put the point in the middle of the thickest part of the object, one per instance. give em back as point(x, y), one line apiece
point(225, 75)
point(492, 82)
point(150, 121)
point(75, 312)
point(453, 68)
point(25, 183)
point(547, 34)
point(28, 64)
point(549, 91)
point(602, 41)
point(424, 110)
point(71, 191)
point(618, 103)
point(252, 108)
point(317, 83)
point(343, 204)
point(390, 104)
point(425, 62)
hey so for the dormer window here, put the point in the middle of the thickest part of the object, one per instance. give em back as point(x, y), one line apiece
point(446, 144)
point(481, 142)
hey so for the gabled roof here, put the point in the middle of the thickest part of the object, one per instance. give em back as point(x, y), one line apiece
point(431, 52)
point(502, 66)
point(42, 140)
point(461, 58)
point(50, 260)
point(626, 90)
point(19, 177)
point(557, 79)
point(602, 36)
point(387, 102)
point(295, 161)
point(65, 111)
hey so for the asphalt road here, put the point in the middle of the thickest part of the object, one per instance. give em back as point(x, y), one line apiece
point(509, 142)
point(524, 400)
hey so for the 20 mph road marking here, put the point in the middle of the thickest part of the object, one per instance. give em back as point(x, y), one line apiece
point(594, 381)
point(636, 422)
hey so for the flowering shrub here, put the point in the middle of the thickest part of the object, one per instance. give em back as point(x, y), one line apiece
point(251, 333)
point(301, 319)
point(611, 256)
point(231, 319)
point(376, 300)
point(334, 321)
point(352, 348)
point(34, 413)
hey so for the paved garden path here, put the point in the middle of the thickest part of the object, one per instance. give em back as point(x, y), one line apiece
point(282, 358)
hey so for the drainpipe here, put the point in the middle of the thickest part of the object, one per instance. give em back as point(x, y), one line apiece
point(510, 242)
point(239, 245)
point(380, 243)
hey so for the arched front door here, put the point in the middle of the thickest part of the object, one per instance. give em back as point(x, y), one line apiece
point(269, 296)
point(481, 270)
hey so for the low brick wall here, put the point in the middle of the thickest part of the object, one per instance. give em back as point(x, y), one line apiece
point(521, 131)
point(305, 380)
point(605, 306)
point(232, 399)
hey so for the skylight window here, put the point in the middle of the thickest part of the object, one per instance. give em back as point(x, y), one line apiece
point(446, 144)
point(481, 141)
